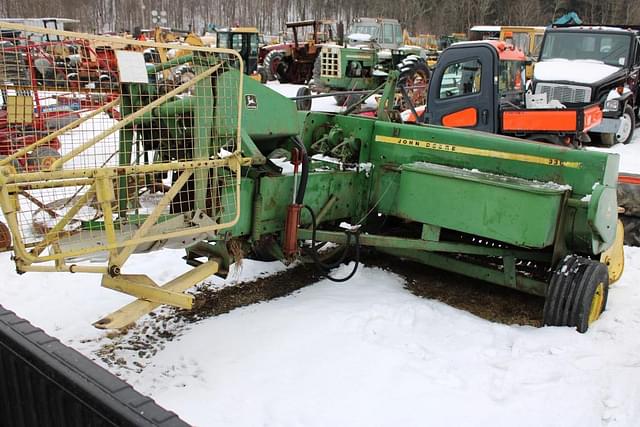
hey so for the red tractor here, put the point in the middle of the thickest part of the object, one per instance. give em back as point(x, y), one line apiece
point(293, 61)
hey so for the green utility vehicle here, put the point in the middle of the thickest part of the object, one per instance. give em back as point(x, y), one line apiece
point(373, 48)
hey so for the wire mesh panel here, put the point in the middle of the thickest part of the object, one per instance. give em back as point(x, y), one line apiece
point(111, 145)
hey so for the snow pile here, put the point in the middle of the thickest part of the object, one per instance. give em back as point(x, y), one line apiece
point(629, 153)
point(368, 352)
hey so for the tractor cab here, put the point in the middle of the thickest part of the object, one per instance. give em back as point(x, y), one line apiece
point(245, 41)
point(471, 82)
point(526, 39)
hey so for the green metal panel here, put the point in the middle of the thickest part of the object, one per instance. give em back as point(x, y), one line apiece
point(244, 224)
point(602, 215)
point(400, 144)
point(276, 193)
point(479, 203)
point(394, 145)
point(265, 113)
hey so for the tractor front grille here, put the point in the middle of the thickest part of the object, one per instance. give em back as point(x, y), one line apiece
point(565, 93)
point(330, 62)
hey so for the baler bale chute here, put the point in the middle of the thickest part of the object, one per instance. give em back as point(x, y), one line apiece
point(193, 168)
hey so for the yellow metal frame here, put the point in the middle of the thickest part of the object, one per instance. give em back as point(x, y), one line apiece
point(46, 254)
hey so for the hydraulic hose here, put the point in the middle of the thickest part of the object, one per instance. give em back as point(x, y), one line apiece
point(324, 268)
point(304, 176)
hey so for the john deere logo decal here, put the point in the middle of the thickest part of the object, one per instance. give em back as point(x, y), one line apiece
point(251, 102)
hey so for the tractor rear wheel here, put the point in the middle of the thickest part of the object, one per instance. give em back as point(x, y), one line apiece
point(271, 62)
point(414, 76)
point(577, 293)
point(262, 72)
point(282, 71)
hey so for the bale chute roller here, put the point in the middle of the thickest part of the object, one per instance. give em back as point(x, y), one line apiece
point(147, 161)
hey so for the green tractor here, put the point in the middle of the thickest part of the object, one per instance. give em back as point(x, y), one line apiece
point(373, 48)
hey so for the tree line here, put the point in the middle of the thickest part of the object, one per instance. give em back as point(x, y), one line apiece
point(418, 16)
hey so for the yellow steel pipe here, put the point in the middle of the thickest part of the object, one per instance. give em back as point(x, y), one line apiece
point(131, 117)
point(23, 151)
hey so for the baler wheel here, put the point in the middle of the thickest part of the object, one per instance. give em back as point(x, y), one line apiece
point(613, 257)
point(577, 293)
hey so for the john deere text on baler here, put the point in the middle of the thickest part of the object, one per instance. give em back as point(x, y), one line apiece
point(193, 171)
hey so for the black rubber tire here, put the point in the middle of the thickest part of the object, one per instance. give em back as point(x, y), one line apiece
point(262, 72)
point(409, 67)
point(610, 139)
point(281, 73)
point(589, 277)
point(351, 100)
point(557, 291)
point(571, 292)
point(56, 80)
point(303, 104)
point(549, 139)
point(346, 100)
point(341, 100)
point(631, 229)
point(605, 139)
point(271, 62)
point(105, 83)
point(41, 157)
point(630, 114)
point(316, 82)
point(553, 139)
point(15, 163)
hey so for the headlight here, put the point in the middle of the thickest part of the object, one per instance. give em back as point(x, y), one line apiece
point(612, 105)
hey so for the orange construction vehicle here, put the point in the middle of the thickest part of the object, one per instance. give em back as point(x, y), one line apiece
point(481, 85)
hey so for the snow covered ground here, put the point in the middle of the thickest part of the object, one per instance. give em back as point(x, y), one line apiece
point(363, 353)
